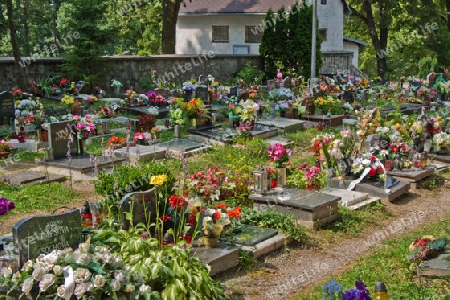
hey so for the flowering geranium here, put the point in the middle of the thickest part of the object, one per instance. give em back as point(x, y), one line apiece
point(115, 142)
point(177, 202)
point(84, 125)
point(17, 93)
point(6, 206)
point(279, 154)
point(5, 146)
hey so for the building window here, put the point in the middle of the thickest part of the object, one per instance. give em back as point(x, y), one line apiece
point(323, 33)
point(220, 34)
point(323, 1)
point(253, 34)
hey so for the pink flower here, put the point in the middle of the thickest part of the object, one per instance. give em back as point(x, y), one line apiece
point(76, 117)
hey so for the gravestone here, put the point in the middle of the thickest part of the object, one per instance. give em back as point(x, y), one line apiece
point(372, 140)
point(162, 92)
point(310, 209)
point(202, 93)
point(287, 82)
point(271, 84)
point(6, 107)
point(141, 205)
point(252, 235)
point(59, 134)
point(203, 79)
point(42, 234)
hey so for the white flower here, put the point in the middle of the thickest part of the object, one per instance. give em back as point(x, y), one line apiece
point(99, 281)
point(82, 259)
point(81, 289)
point(27, 266)
point(47, 281)
point(6, 272)
point(61, 291)
point(16, 277)
point(27, 286)
point(129, 288)
point(57, 270)
point(38, 273)
point(81, 275)
point(84, 247)
point(51, 258)
point(115, 284)
point(145, 288)
point(120, 276)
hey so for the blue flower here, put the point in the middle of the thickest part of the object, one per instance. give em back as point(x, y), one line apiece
point(330, 289)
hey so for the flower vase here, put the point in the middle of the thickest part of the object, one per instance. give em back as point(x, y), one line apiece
point(210, 242)
point(194, 122)
point(176, 131)
point(272, 109)
point(281, 175)
point(82, 146)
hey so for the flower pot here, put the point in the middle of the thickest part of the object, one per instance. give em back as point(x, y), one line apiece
point(177, 131)
point(4, 154)
point(210, 242)
point(281, 174)
point(82, 146)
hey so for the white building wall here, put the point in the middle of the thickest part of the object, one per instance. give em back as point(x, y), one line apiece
point(331, 17)
point(194, 33)
point(352, 47)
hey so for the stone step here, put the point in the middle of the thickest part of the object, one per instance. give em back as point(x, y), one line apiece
point(283, 124)
point(348, 198)
point(220, 258)
point(363, 203)
point(267, 246)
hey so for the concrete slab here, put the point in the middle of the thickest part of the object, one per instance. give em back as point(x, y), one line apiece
point(267, 246)
point(374, 189)
point(284, 124)
point(221, 258)
point(348, 198)
point(436, 267)
point(311, 209)
point(29, 145)
point(335, 120)
point(84, 164)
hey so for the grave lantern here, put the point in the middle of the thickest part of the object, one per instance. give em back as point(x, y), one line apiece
point(261, 183)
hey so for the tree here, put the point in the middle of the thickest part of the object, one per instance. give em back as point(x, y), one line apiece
point(86, 39)
point(20, 72)
point(171, 8)
point(286, 41)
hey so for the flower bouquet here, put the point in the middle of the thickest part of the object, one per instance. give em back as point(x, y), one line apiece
point(142, 138)
point(194, 108)
point(208, 185)
point(6, 206)
point(279, 154)
point(5, 146)
point(188, 86)
point(24, 107)
point(441, 141)
point(369, 167)
point(68, 101)
point(426, 247)
point(177, 116)
point(85, 126)
point(93, 271)
point(307, 177)
point(115, 142)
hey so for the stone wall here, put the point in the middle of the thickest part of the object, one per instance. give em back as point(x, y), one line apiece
point(130, 69)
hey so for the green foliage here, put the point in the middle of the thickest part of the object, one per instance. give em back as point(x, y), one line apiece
point(125, 179)
point(28, 156)
point(145, 84)
point(250, 74)
point(271, 219)
point(246, 260)
point(83, 55)
point(285, 42)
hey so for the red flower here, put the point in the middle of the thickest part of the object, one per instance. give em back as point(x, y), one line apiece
point(379, 170)
point(63, 81)
point(216, 216)
point(192, 221)
point(235, 213)
point(221, 206)
point(373, 172)
point(373, 158)
point(274, 184)
point(177, 202)
point(165, 218)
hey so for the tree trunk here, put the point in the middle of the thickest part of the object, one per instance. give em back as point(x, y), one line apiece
point(26, 6)
point(20, 71)
point(447, 6)
point(170, 16)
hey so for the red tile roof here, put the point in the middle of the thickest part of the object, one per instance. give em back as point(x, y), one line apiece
point(233, 6)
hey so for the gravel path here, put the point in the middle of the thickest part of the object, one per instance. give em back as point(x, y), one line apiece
point(284, 273)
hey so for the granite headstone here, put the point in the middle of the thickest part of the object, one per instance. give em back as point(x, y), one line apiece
point(202, 92)
point(6, 107)
point(141, 205)
point(59, 134)
point(42, 234)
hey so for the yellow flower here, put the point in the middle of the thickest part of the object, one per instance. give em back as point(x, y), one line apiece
point(158, 180)
point(17, 102)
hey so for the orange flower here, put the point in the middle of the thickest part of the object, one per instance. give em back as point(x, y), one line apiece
point(221, 206)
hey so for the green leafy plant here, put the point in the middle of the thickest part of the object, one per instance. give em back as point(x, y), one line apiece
point(246, 260)
point(271, 219)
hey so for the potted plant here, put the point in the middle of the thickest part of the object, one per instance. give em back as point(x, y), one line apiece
point(5, 148)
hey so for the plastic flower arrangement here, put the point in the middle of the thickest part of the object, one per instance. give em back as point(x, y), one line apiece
point(36, 120)
point(325, 103)
point(84, 125)
point(244, 131)
point(401, 148)
point(188, 86)
point(279, 154)
point(426, 247)
point(177, 116)
point(17, 93)
point(368, 166)
point(116, 83)
point(24, 107)
point(6, 206)
point(323, 143)
point(91, 100)
point(306, 176)
point(209, 184)
point(234, 109)
point(5, 146)
point(142, 137)
point(153, 110)
point(194, 108)
point(105, 112)
point(280, 94)
point(427, 93)
point(116, 142)
point(68, 100)
point(94, 270)
point(130, 94)
point(441, 140)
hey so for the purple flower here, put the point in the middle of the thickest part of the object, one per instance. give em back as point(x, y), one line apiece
point(3, 209)
point(350, 295)
point(11, 205)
